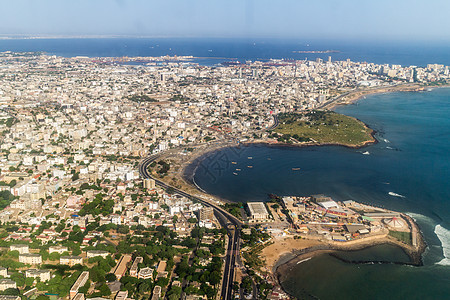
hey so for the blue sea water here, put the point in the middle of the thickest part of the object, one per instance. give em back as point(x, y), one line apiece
point(411, 160)
point(213, 51)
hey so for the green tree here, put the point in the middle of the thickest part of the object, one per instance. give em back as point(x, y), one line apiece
point(104, 290)
point(110, 277)
point(11, 292)
point(85, 288)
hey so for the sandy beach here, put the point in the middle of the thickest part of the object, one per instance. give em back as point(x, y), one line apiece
point(353, 96)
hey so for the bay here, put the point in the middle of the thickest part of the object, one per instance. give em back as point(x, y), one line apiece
point(411, 160)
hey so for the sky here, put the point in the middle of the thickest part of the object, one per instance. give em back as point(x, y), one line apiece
point(389, 19)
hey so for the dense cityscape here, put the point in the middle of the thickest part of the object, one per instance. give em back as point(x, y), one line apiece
point(80, 219)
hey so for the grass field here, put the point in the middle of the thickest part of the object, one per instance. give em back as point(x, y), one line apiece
point(324, 127)
point(404, 237)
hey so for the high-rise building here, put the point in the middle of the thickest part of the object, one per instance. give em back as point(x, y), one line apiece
point(206, 213)
point(149, 183)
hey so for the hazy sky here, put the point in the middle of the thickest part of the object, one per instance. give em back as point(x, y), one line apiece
point(405, 19)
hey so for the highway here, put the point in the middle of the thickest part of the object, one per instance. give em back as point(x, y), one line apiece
point(275, 123)
point(233, 232)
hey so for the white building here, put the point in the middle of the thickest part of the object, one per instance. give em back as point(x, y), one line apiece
point(58, 249)
point(43, 275)
point(7, 284)
point(21, 248)
point(258, 211)
point(30, 258)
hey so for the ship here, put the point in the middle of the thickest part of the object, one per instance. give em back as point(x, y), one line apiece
point(231, 63)
point(295, 169)
point(249, 167)
point(234, 163)
point(234, 173)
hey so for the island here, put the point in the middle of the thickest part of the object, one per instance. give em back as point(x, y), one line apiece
point(317, 51)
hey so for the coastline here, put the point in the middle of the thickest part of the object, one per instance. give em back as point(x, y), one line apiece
point(353, 97)
point(288, 257)
point(285, 260)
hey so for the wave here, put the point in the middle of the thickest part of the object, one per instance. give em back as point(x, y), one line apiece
point(303, 260)
point(421, 218)
point(396, 195)
point(444, 236)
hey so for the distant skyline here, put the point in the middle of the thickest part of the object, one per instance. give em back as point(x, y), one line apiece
point(345, 19)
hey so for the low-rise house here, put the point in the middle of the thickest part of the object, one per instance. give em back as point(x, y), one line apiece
point(122, 295)
point(70, 260)
point(95, 253)
point(57, 249)
point(22, 248)
point(145, 273)
point(134, 266)
point(7, 284)
point(81, 281)
point(30, 258)
point(4, 272)
point(43, 275)
point(9, 297)
point(156, 295)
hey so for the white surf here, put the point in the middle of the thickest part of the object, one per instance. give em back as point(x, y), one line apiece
point(396, 195)
point(444, 236)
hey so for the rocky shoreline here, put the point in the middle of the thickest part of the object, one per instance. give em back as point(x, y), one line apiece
point(281, 269)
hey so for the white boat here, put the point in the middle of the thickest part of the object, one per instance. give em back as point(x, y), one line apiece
point(366, 153)
point(250, 157)
point(234, 173)
point(238, 169)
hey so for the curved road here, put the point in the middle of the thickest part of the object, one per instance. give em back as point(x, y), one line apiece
point(233, 234)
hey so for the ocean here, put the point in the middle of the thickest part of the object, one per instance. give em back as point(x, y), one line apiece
point(408, 171)
point(212, 51)
point(411, 160)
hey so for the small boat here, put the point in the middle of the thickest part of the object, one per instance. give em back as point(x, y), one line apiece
point(238, 169)
point(295, 169)
point(234, 163)
point(269, 158)
point(234, 173)
point(250, 157)
point(250, 167)
point(366, 153)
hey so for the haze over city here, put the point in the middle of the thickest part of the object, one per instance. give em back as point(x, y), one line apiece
point(349, 19)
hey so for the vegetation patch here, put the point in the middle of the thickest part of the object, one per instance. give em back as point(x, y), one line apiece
point(324, 127)
point(141, 98)
point(404, 237)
